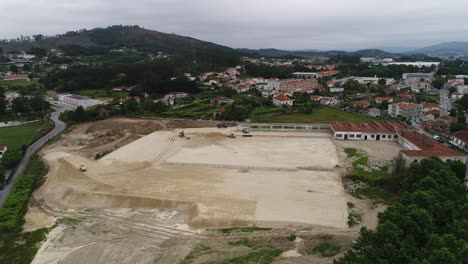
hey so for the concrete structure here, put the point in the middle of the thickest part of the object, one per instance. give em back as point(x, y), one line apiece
point(379, 131)
point(417, 77)
point(407, 110)
point(284, 127)
point(416, 146)
point(3, 149)
point(76, 100)
point(281, 100)
point(418, 64)
point(366, 80)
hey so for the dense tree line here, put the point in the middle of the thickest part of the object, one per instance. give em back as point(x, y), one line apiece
point(26, 105)
point(390, 71)
point(428, 225)
point(155, 78)
point(457, 67)
point(267, 71)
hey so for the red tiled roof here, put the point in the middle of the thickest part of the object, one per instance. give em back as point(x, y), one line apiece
point(407, 105)
point(428, 146)
point(322, 73)
point(282, 97)
point(447, 117)
point(462, 135)
point(363, 103)
point(430, 105)
point(371, 127)
point(381, 99)
point(405, 95)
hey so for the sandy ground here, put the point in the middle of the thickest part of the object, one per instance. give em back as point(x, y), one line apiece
point(147, 200)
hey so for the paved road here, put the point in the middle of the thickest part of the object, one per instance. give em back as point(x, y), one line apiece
point(59, 127)
point(445, 103)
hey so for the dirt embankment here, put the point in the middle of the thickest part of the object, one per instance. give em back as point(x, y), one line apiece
point(145, 200)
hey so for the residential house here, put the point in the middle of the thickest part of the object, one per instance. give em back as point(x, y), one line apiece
point(281, 100)
point(456, 96)
point(405, 97)
point(130, 98)
point(380, 100)
point(460, 140)
point(430, 107)
point(362, 104)
point(407, 110)
point(328, 101)
point(316, 98)
point(447, 120)
point(221, 100)
point(175, 95)
point(16, 77)
point(418, 86)
point(336, 89)
point(418, 146)
point(373, 112)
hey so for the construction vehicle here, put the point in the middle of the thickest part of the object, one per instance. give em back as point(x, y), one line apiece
point(181, 134)
point(231, 136)
point(82, 168)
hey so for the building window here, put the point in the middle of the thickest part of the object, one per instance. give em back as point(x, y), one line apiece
point(384, 136)
point(339, 135)
point(351, 135)
point(372, 136)
point(358, 135)
point(395, 136)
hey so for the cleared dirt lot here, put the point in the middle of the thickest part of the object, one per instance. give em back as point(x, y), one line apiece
point(150, 199)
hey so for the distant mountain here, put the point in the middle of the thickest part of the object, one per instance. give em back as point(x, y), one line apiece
point(102, 40)
point(455, 48)
point(317, 53)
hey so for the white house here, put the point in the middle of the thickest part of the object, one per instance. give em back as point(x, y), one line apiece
point(281, 100)
point(3, 149)
point(175, 95)
point(378, 131)
point(460, 139)
point(336, 89)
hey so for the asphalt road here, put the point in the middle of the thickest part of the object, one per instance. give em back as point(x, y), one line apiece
point(445, 103)
point(58, 128)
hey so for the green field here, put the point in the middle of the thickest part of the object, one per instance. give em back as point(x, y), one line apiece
point(18, 84)
point(320, 114)
point(15, 137)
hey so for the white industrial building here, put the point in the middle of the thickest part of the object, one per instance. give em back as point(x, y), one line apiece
point(418, 64)
point(77, 100)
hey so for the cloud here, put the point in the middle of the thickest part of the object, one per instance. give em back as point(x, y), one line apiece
point(292, 24)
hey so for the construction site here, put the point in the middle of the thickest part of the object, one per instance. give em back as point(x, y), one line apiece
point(149, 191)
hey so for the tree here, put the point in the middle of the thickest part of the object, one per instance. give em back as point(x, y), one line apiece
point(452, 90)
point(384, 105)
point(465, 81)
point(20, 105)
point(419, 228)
point(14, 68)
point(229, 92)
point(119, 79)
point(38, 52)
point(382, 82)
point(438, 82)
point(2, 101)
point(464, 101)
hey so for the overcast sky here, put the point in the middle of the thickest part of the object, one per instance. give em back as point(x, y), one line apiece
point(284, 24)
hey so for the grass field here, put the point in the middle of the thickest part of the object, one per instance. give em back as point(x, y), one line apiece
point(15, 137)
point(18, 84)
point(320, 114)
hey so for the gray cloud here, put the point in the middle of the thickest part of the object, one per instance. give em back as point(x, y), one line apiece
point(292, 24)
